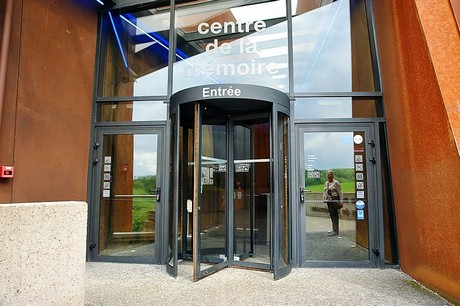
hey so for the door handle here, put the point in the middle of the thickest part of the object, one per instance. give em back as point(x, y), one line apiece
point(158, 194)
point(302, 195)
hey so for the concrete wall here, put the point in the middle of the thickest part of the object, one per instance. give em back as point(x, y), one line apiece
point(420, 54)
point(45, 127)
point(43, 253)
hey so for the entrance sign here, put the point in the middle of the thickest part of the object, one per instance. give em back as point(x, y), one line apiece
point(221, 92)
point(231, 96)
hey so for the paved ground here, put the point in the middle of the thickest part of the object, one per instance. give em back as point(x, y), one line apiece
point(136, 284)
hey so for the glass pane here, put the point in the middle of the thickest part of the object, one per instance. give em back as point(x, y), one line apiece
point(322, 47)
point(252, 189)
point(226, 42)
point(128, 189)
point(342, 107)
point(213, 188)
point(132, 111)
point(136, 54)
point(331, 46)
point(332, 233)
point(243, 191)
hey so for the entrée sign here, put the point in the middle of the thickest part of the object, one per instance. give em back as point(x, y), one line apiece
point(221, 92)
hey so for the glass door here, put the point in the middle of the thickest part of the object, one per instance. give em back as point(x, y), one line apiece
point(337, 194)
point(127, 195)
point(232, 221)
point(230, 173)
point(230, 211)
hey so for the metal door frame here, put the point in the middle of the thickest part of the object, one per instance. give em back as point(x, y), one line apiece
point(95, 190)
point(374, 190)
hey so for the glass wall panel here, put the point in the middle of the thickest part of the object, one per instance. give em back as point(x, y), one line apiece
point(331, 46)
point(135, 57)
point(336, 107)
point(132, 111)
point(127, 216)
point(232, 42)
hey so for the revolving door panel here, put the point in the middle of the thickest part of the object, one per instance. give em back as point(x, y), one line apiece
point(231, 211)
point(230, 205)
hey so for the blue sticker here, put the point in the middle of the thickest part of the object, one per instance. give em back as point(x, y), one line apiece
point(360, 204)
point(360, 214)
point(347, 139)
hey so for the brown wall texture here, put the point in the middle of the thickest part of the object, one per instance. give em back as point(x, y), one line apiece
point(418, 83)
point(47, 105)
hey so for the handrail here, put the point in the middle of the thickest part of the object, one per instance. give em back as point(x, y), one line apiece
point(134, 195)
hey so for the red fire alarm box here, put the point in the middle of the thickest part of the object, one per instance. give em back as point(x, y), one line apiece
point(6, 171)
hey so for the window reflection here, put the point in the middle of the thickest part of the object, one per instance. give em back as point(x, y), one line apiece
point(137, 46)
point(331, 46)
point(322, 47)
point(340, 107)
point(132, 111)
point(230, 42)
point(240, 41)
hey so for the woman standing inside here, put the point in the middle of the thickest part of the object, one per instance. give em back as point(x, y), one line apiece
point(333, 196)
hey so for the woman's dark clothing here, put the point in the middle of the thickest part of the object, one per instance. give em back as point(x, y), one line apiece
point(334, 214)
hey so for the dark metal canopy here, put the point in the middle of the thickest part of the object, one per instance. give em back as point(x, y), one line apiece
point(232, 98)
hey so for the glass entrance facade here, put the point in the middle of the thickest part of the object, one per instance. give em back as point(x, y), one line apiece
point(319, 54)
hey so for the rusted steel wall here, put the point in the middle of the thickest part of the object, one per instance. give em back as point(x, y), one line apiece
point(47, 107)
point(424, 159)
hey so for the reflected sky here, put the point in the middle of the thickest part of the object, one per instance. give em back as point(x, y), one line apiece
point(145, 155)
point(322, 49)
point(322, 57)
point(147, 111)
point(328, 150)
point(316, 108)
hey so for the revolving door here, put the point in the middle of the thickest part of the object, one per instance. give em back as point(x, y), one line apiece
point(229, 189)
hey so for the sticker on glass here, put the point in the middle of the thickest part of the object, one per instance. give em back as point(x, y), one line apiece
point(107, 159)
point(358, 158)
point(346, 139)
point(106, 176)
point(360, 204)
point(360, 194)
point(106, 193)
point(106, 185)
point(359, 167)
point(311, 158)
point(359, 176)
point(359, 185)
point(358, 139)
point(107, 168)
point(360, 214)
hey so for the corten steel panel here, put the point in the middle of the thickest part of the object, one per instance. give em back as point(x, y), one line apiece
point(54, 97)
point(9, 102)
point(423, 154)
point(443, 40)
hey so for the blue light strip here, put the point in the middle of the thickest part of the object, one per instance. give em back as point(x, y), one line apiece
point(118, 40)
point(157, 38)
point(100, 2)
point(149, 36)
